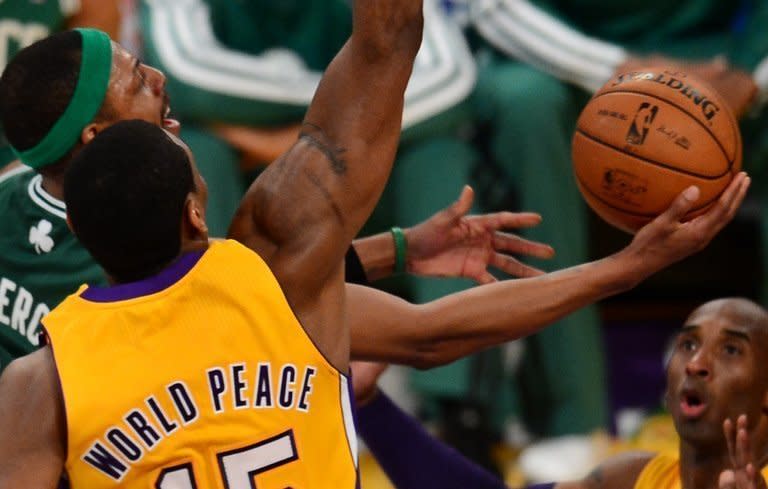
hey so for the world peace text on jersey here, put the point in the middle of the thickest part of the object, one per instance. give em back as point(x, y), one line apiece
point(145, 426)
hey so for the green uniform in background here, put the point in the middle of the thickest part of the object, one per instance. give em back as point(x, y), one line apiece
point(23, 22)
point(540, 60)
point(41, 261)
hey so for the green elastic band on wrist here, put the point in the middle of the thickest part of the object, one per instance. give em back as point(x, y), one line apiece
point(401, 248)
point(91, 88)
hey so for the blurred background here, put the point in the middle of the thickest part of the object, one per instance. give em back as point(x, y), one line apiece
point(493, 100)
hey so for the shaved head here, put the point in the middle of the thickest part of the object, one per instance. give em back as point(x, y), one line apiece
point(740, 310)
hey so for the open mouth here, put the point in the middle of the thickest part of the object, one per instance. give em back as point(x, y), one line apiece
point(692, 404)
point(169, 123)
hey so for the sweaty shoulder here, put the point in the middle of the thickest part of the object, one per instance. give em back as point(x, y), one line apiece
point(32, 377)
point(32, 422)
point(30, 385)
point(618, 472)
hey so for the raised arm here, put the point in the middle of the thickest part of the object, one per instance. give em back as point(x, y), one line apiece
point(301, 214)
point(32, 425)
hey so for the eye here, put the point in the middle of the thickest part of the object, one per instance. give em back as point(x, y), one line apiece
point(732, 349)
point(686, 344)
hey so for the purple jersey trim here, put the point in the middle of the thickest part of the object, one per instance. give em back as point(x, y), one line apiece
point(167, 277)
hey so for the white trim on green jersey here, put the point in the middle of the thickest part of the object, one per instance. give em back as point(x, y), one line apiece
point(181, 33)
point(45, 200)
point(525, 32)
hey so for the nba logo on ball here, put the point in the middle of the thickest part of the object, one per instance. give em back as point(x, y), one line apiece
point(645, 137)
point(641, 123)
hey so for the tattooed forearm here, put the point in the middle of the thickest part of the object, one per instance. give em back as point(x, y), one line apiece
point(315, 137)
point(320, 186)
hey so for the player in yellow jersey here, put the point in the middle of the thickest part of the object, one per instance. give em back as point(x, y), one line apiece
point(249, 390)
point(717, 394)
point(117, 451)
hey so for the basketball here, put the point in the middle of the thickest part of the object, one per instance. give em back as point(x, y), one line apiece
point(646, 136)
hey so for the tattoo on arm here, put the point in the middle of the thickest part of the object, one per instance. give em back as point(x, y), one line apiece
point(318, 184)
point(315, 137)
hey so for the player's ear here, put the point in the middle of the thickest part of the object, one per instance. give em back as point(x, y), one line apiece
point(195, 215)
point(90, 131)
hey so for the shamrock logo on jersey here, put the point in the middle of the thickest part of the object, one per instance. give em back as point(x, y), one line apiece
point(38, 236)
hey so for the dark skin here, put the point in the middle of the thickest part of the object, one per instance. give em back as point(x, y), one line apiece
point(339, 166)
point(717, 394)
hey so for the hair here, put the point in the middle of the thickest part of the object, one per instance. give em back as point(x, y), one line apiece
point(36, 88)
point(125, 193)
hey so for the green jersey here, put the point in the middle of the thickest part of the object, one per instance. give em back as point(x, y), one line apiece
point(41, 261)
point(22, 22)
point(688, 29)
point(584, 41)
point(258, 62)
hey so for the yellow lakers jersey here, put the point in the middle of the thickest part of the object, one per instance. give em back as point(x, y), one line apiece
point(663, 472)
point(199, 377)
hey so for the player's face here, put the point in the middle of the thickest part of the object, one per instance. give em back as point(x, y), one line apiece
point(717, 370)
point(137, 91)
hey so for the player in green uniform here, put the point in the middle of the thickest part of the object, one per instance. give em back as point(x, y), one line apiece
point(40, 262)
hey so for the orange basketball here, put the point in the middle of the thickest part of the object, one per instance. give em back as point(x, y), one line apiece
point(645, 137)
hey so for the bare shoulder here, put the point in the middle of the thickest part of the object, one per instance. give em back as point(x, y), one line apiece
point(31, 380)
point(618, 472)
point(32, 423)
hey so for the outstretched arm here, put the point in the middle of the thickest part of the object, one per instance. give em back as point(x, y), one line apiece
point(301, 214)
point(32, 426)
point(386, 328)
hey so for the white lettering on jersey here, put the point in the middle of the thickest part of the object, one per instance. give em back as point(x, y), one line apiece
point(20, 309)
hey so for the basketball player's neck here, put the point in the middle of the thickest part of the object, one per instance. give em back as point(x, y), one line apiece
point(700, 468)
point(53, 186)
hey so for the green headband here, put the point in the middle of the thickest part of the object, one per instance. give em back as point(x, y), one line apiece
point(92, 84)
